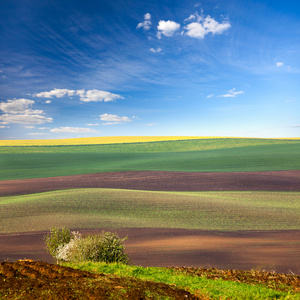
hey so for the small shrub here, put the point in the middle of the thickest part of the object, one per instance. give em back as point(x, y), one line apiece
point(57, 237)
point(106, 247)
point(70, 246)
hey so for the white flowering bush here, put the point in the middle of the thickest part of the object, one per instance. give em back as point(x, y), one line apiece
point(56, 238)
point(67, 252)
point(106, 247)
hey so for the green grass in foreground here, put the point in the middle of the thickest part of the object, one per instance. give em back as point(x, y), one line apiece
point(200, 286)
point(213, 155)
point(116, 209)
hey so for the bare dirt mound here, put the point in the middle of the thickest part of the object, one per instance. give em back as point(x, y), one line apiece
point(40, 280)
point(160, 181)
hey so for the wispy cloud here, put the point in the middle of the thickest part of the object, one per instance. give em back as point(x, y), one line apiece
point(279, 64)
point(58, 93)
point(232, 93)
point(38, 133)
point(155, 50)
point(96, 124)
point(72, 130)
point(24, 119)
point(114, 119)
point(146, 24)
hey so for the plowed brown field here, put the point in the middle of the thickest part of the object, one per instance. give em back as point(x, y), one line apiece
point(160, 181)
point(38, 280)
point(157, 247)
point(275, 250)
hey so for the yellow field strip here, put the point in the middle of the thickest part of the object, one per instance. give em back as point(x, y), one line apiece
point(104, 140)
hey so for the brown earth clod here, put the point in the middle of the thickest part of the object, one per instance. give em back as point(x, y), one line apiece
point(40, 280)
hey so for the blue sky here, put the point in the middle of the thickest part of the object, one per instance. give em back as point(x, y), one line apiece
point(108, 68)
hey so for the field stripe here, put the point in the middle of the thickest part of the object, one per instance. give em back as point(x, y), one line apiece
point(111, 140)
point(115, 209)
point(160, 181)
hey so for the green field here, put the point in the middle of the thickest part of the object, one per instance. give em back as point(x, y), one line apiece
point(112, 209)
point(206, 155)
point(248, 286)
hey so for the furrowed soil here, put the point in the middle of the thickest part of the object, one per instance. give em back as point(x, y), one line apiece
point(40, 280)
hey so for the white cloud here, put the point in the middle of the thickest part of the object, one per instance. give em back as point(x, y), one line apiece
point(147, 22)
point(17, 106)
point(92, 124)
point(202, 26)
point(279, 64)
point(215, 27)
point(2, 126)
point(85, 96)
point(29, 127)
point(196, 30)
point(58, 93)
point(72, 130)
point(167, 28)
point(98, 96)
point(19, 111)
point(210, 96)
point(80, 93)
point(25, 119)
point(48, 101)
point(113, 119)
point(155, 50)
point(232, 93)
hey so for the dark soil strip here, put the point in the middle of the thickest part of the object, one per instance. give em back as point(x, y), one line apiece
point(245, 250)
point(160, 181)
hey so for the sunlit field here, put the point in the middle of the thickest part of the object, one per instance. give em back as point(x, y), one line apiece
point(199, 155)
point(107, 140)
point(112, 208)
point(96, 140)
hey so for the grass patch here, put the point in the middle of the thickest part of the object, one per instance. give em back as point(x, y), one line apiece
point(210, 155)
point(116, 209)
point(197, 285)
